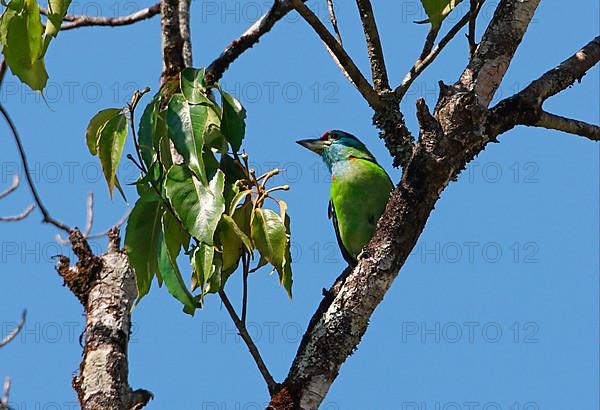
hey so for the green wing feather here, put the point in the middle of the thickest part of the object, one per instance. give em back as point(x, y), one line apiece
point(345, 253)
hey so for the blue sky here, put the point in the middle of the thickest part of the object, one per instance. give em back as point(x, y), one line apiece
point(497, 307)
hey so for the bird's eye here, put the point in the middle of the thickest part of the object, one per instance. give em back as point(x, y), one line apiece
point(334, 137)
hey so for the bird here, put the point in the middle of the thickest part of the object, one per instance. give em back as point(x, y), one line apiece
point(360, 189)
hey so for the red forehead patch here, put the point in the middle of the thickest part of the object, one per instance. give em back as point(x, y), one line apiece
point(325, 136)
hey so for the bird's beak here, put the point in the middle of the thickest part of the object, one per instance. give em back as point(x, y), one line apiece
point(315, 145)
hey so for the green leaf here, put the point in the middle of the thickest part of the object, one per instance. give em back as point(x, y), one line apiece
point(269, 236)
point(186, 125)
point(57, 9)
point(437, 10)
point(97, 122)
point(143, 237)
point(215, 283)
point(233, 121)
point(111, 141)
point(199, 207)
point(230, 224)
point(202, 264)
point(21, 35)
point(193, 86)
point(152, 127)
point(173, 239)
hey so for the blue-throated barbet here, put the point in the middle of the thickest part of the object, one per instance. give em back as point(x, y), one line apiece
point(360, 189)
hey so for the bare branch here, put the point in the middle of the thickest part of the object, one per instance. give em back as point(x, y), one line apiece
point(18, 217)
point(11, 188)
point(345, 62)
point(473, 12)
point(271, 384)
point(428, 55)
point(11, 336)
point(556, 122)
point(249, 38)
point(36, 197)
point(525, 107)
point(88, 21)
point(333, 20)
point(89, 215)
point(374, 49)
point(5, 394)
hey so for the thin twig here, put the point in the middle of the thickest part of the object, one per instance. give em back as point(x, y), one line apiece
point(557, 122)
point(374, 49)
point(333, 19)
point(11, 188)
point(36, 197)
point(18, 217)
point(118, 224)
point(271, 384)
point(422, 63)
point(87, 21)
point(349, 69)
point(10, 337)
point(89, 215)
point(249, 38)
point(473, 12)
point(5, 394)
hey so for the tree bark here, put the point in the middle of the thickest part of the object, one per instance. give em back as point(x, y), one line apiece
point(106, 288)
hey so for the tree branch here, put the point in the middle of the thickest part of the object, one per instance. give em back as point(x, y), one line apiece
point(88, 21)
point(333, 19)
point(556, 122)
point(525, 107)
point(346, 64)
point(11, 336)
point(428, 55)
point(448, 141)
point(172, 40)
point(18, 217)
point(271, 384)
point(374, 49)
point(105, 286)
point(501, 39)
point(36, 197)
point(249, 38)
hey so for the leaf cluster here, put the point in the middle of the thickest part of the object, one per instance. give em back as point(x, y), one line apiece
point(198, 198)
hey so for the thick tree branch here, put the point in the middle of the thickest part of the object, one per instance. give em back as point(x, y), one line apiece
point(374, 49)
point(525, 107)
point(106, 288)
point(448, 141)
point(184, 29)
point(342, 58)
point(88, 21)
point(47, 218)
point(172, 40)
point(498, 45)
